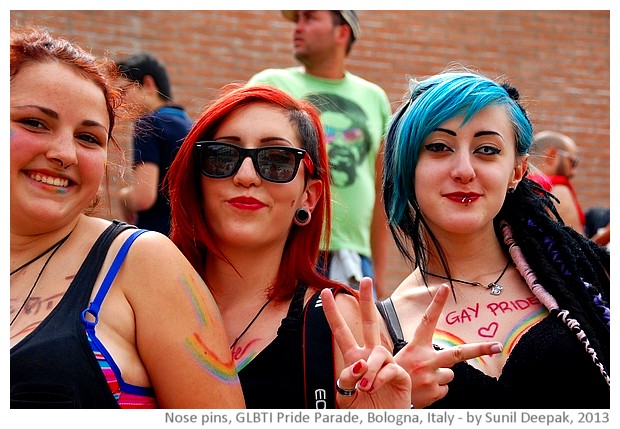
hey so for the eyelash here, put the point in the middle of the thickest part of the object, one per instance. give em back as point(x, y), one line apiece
point(89, 139)
point(35, 123)
point(493, 150)
point(436, 147)
point(85, 137)
point(442, 147)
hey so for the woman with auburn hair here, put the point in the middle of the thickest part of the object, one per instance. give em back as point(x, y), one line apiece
point(102, 315)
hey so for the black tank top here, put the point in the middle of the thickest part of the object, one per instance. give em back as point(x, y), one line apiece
point(275, 377)
point(547, 368)
point(54, 366)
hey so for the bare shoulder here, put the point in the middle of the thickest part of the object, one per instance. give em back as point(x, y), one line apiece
point(154, 259)
point(563, 193)
point(411, 298)
point(348, 305)
point(351, 310)
point(154, 247)
point(412, 288)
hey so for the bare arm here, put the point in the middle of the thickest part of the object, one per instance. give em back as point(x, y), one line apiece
point(379, 234)
point(142, 194)
point(180, 335)
point(567, 208)
point(602, 236)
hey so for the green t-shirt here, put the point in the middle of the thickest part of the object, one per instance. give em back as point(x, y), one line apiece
point(354, 113)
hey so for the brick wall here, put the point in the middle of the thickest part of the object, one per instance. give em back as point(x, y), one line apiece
point(559, 60)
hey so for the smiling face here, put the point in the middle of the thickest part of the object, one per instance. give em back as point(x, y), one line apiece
point(59, 134)
point(464, 172)
point(245, 210)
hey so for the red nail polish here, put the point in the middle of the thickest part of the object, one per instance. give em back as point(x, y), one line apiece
point(357, 367)
point(364, 382)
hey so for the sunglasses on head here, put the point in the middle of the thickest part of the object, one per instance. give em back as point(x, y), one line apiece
point(574, 161)
point(277, 164)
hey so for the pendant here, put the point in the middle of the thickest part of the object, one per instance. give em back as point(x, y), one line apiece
point(496, 289)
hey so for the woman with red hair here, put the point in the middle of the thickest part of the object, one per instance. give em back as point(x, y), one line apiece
point(249, 192)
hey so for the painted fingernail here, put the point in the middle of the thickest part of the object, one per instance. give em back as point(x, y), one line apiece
point(496, 348)
point(363, 382)
point(357, 367)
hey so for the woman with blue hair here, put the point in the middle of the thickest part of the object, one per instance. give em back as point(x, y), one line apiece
point(463, 212)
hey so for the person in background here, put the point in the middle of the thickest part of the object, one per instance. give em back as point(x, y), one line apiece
point(597, 228)
point(254, 235)
point(354, 113)
point(555, 156)
point(102, 315)
point(157, 136)
point(463, 211)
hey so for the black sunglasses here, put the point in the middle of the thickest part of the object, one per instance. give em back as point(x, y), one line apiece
point(277, 164)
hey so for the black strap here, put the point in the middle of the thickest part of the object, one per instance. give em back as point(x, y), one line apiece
point(318, 353)
point(91, 267)
point(388, 312)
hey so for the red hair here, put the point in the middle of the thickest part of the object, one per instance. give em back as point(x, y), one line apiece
point(189, 230)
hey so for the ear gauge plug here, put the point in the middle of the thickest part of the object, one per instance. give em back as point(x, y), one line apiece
point(302, 216)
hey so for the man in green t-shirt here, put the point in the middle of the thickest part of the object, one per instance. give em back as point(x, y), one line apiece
point(354, 113)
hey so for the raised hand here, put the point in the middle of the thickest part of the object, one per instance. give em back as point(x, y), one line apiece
point(429, 368)
point(371, 378)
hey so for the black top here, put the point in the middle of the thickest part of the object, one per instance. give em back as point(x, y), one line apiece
point(54, 366)
point(547, 368)
point(275, 377)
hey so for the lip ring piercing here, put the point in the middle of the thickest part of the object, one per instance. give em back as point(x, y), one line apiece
point(466, 201)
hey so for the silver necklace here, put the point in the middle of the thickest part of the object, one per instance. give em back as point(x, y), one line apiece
point(495, 287)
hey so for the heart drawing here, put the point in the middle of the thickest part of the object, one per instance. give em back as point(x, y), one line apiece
point(489, 331)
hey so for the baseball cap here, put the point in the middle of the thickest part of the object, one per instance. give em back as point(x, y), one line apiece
point(139, 65)
point(349, 16)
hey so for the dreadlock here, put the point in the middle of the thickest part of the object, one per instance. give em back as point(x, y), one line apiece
point(570, 267)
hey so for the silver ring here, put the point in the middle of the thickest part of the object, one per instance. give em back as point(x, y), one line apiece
point(344, 392)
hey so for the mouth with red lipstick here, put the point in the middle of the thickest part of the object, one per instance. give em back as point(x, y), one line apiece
point(462, 197)
point(246, 203)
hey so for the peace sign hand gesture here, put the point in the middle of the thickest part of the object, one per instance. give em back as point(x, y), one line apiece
point(371, 378)
point(429, 368)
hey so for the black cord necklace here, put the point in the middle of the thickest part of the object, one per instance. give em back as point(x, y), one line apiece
point(54, 249)
point(495, 287)
point(40, 255)
point(249, 324)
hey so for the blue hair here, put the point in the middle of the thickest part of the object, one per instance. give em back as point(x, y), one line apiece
point(565, 264)
point(431, 103)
